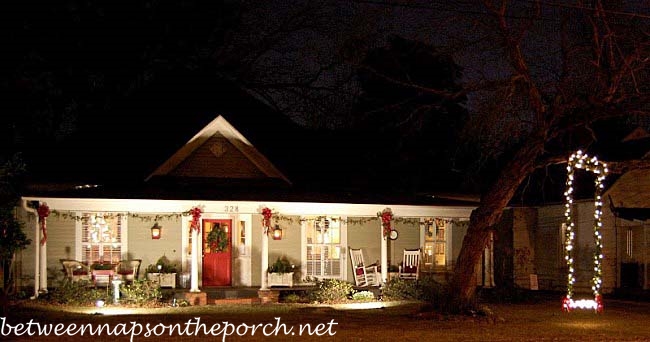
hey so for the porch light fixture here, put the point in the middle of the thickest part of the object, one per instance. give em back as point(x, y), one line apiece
point(277, 233)
point(155, 231)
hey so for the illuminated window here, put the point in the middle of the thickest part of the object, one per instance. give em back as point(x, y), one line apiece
point(434, 242)
point(101, 238)
point(323, 247)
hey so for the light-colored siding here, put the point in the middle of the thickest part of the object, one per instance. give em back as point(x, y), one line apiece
point(25, 258)
point(523, 230)
point(141, 246)
point(457, 232)
point(364, 235)
point(60, 245)
point(550, 265)
point(549, 255)
point(289, 246)
point(408, 238)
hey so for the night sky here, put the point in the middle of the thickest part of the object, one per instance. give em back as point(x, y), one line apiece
point(111, 89)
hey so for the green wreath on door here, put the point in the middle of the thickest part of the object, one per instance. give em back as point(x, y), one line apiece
point(218, 239)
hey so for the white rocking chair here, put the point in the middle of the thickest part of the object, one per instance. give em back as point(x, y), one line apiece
point(410, 264)
point(364, 275)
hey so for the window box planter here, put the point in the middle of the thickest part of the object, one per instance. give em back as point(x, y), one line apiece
point(165, 279)
point(280, 279)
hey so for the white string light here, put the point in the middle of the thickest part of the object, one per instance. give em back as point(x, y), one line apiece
point(580, 160)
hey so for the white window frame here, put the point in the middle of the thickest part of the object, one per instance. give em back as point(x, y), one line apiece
point(79, 245)
point(343, 245)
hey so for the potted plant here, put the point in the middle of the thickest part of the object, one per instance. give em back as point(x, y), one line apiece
point(102, 266)
point(280, 273)
point(162, 272)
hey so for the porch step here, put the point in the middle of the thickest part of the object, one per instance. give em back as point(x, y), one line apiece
point(236, 301)
point(219, 293)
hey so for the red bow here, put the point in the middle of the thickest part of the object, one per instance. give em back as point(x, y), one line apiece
point(196, 215)
point(43, 212)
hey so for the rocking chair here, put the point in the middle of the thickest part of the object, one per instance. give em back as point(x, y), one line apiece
point(363, 275)
point(410, 264)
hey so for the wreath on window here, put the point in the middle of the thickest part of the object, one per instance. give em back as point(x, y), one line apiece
point(218, 239)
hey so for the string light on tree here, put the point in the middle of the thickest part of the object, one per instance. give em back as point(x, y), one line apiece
point(580, 160)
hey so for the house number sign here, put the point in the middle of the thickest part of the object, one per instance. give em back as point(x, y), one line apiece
point(231, 209)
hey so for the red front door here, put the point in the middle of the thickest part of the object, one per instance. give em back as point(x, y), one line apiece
point(217, 263)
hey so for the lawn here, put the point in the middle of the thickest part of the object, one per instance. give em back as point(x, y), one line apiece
point(539, 321)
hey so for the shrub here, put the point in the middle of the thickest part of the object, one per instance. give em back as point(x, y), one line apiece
point(431, 291)
point(399, 289)
point(281, 265)
point(165, 266)
point(77, 293)
point(292, 298)
point(363, 296)
point(141, 292)
point(331, 291)
point(426, 289)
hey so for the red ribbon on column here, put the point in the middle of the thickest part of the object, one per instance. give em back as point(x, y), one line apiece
point(196, 216)
point(266, 219)
point(386, 216)
point(43, 213)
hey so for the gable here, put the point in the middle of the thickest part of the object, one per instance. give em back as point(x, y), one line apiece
point(636, 134)
point(217, 158)
point(631, 190)
point(218, 151)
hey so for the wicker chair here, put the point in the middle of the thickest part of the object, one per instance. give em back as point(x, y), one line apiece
point(128, 270)
point(76, 270)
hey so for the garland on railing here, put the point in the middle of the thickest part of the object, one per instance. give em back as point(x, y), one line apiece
point(275, 217)
point(141, 217)
point(43, 212)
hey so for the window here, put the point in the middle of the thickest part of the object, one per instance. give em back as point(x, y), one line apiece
point(629, 243)
point(101, 238)
point(324, 244)
point(242, 238)
point(434, 242)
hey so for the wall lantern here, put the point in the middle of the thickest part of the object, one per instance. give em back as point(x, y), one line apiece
point(155, 231)
point(277, 233)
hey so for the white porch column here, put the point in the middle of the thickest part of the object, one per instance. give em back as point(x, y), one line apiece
point(645, 258)
point(194, 272)
point(265, 260)
point(384, 254)
point(37, 250)
point(43, 278)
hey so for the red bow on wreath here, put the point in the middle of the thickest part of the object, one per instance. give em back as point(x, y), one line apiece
point(196, 216)
point(43, 212)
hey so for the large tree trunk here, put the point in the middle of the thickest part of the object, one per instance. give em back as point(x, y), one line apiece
point(489, 212)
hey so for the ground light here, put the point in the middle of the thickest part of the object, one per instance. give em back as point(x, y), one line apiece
point(580, 160)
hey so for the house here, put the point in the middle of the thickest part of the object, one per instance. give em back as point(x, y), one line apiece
point(532, 241)
point(220, 181)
